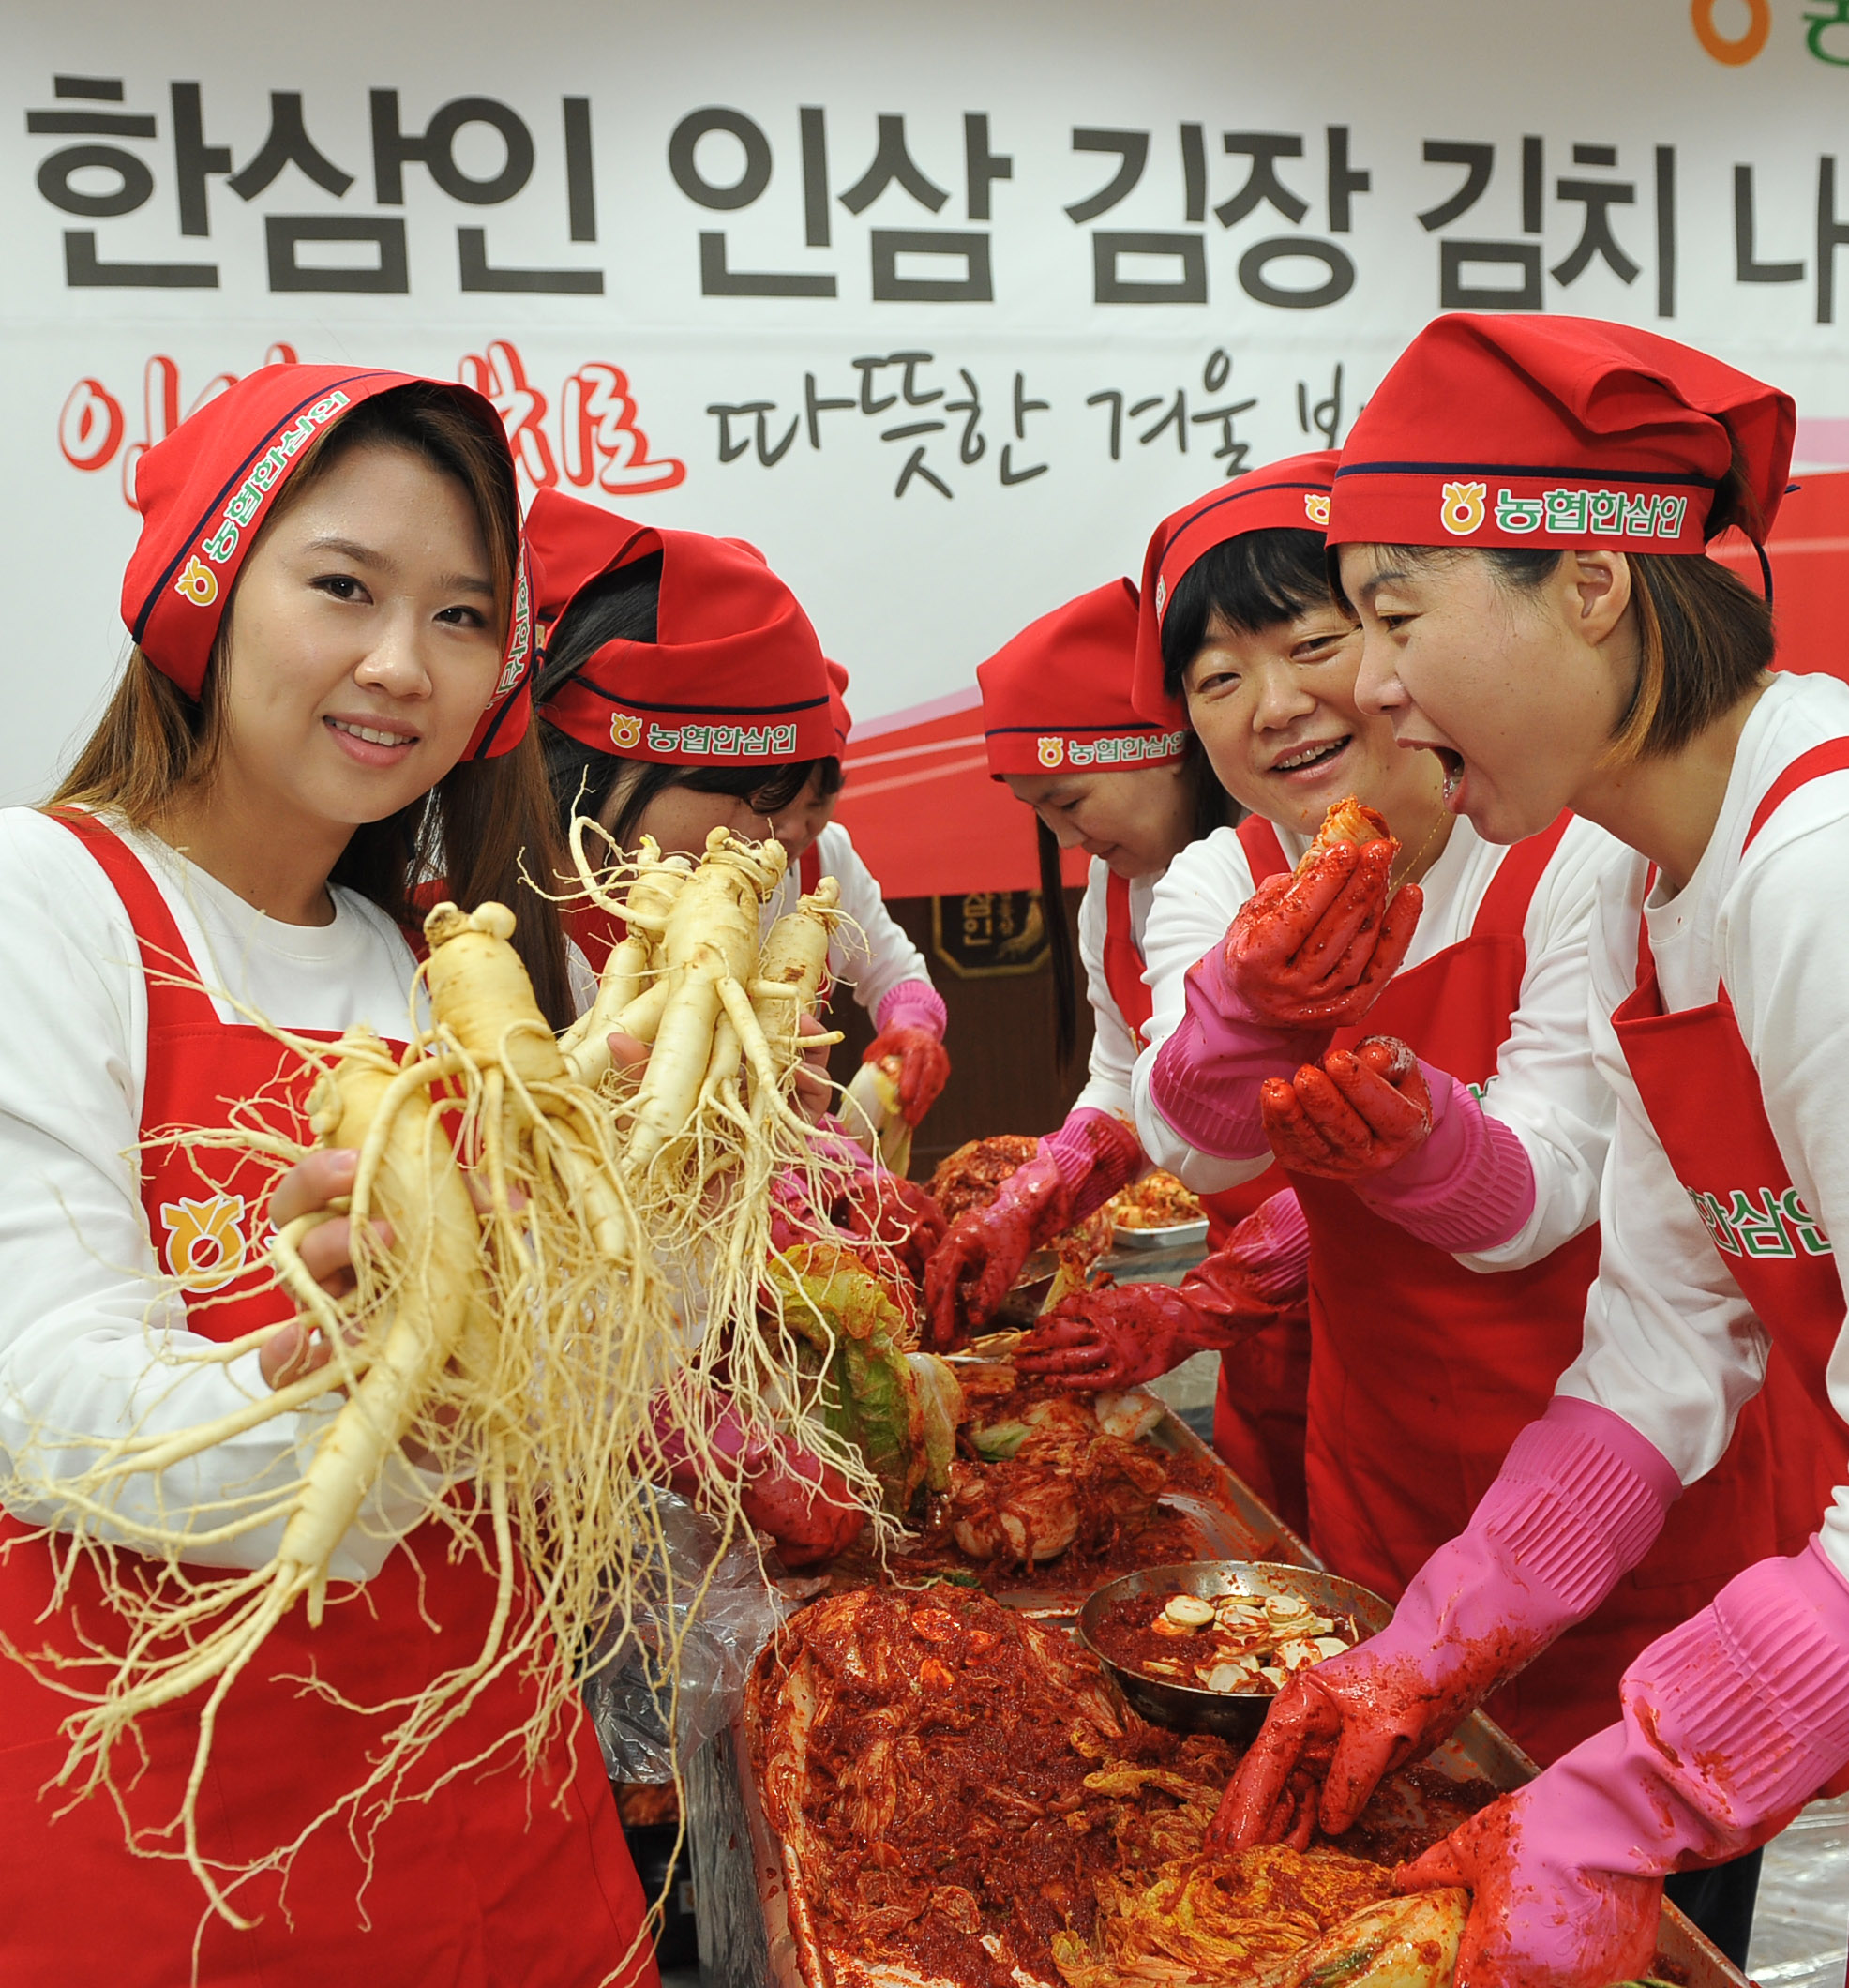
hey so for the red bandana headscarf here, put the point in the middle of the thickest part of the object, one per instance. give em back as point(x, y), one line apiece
point(1057, 698)
point(1291, 495)
point(735, 675)
point(204, 495)
point(1558, 433)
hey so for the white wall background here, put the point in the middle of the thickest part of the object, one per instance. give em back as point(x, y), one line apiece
point(911, 591)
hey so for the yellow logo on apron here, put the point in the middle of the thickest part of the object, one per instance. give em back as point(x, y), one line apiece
point(205, 1246)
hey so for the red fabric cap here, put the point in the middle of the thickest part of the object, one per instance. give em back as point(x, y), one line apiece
point(202, 493)
point(1291, 495)
point(1556, 432)
point(1057, 698)
point(735, 675)
point(837, 706)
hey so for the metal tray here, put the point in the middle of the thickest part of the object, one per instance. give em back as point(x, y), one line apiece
point(1177, 1235)
point(784, 1950)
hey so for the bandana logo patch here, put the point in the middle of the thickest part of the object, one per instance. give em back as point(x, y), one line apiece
point(726, 742)
point(266, 473)
point(1604, 513)
point(625, 732)
point(1161, 595)
point(198, 583)
point(1316, 508)
point(520, 636)
point(1119, 749)
point(1462, 511)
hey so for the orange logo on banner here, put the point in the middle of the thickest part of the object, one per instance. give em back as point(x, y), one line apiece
point(204, 1241)
point(198, 583)
point(1741, 47)
point(1463, 509)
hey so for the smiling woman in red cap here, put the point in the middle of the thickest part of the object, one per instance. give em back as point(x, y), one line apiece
point(1521, 515)
point(682, 689)
point(326, 705)
point(1445, 1299)
point(1133, 791)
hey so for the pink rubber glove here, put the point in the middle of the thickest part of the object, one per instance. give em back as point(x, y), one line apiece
point(1207, 1075)
point(1731, 1723)
point(911, 1019)
point(1121, 1337)
point(1413, 1142)
point(1074, 1170)
point(1579, 1501)
point(804, 1504)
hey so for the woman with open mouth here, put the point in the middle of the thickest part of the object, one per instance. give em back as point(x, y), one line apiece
point(1520, 515)
point(1452, 1240)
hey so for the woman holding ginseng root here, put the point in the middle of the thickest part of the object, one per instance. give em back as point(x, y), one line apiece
point(1449, 1252)
point(1550, 634)
point(372, 1755)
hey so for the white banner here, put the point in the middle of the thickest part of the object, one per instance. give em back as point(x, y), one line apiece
point(942, 307)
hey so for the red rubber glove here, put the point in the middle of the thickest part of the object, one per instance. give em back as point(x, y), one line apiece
point(1132, 1332)
point(897, 1214)
point(1313, 951)
point(1360, 1112)
point(911, 1020)
point(1075, 1170)
point(804, 1504)
point(923, 1067)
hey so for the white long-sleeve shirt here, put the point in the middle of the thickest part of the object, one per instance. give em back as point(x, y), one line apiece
point(82, 1297)
point(1544, 1089)
point(1671, 1345)
point(874, 958)
point(1114, 1046)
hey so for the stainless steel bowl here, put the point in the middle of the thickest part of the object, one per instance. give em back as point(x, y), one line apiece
point(1234, 1715)
point(1021, 1307)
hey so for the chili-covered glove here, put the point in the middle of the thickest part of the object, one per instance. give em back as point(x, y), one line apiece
point(804, 1504)
point(911, 1021)
point(1074, 1170)
point(884, 1208)
point(1579, 1501)
point(1413, 1142)
point(1313, 951)
point(1304, 956)
point(1132, 1332)
point(1731, 1723)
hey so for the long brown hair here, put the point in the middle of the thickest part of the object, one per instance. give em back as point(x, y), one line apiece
point(153, 743)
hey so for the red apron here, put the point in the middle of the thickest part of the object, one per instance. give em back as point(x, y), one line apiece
point(1258, 1410)
point(1422, 1372)
point(490, 1882)
point(1698, 1084)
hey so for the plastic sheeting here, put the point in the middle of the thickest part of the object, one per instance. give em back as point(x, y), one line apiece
point(719, 1611)
point(1800, 1931)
